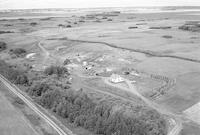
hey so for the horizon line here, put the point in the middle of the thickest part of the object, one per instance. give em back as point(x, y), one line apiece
point(94, 7)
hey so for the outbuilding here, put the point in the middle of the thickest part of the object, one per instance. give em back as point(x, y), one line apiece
point(115, 78)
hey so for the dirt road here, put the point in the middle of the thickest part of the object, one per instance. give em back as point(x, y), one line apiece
point(131, 88)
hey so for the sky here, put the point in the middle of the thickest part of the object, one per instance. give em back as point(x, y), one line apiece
point(30, 4)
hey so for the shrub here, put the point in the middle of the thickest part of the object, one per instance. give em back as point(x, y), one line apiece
point(57, 70)
point(18, 52)
point(3, 46)
point(49, 98)
point(66, 62)
point(14, 75)
point(81, 21)
point(80, 120)
point(68, 26)
point(21, 79)
point(161, 27)
point(167, 36)
point(60, 25)
point(4, 32)
point(33, 24)
point(37, 89)
point(132, 27)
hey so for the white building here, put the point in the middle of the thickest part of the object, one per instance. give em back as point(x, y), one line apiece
point(30, 55)
point(115, 78)
point(134, 73)
point(85, 63)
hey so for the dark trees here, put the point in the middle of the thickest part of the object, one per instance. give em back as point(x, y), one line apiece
point(18, 52)
point(57, 70)
point(13, 74)
point(37, 89)
point(3, 46)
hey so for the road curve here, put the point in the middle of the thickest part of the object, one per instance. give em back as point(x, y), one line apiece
point(13, 88)
point(178, 124)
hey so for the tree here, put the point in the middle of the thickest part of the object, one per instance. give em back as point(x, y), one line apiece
point(90, 122)
point(22, 79)
point(66, 62)
point(99, 128)
point(3, 46)
point(49, 98)
point(37, 89)
point(73, 115)
point(57, 70)
point(80, 120)
point(18, 51)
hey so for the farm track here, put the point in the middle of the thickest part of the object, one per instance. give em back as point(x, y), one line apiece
point(178, 122)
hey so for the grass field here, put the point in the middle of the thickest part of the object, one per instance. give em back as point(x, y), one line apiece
point(185, 94)
point(101, 56)
point(194, 113)
point(12, 121)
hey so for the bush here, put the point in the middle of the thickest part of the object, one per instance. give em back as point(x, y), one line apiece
point(60, 25)
point(191, 26)
point(167, 36)
point(57, 70)
point(37, 89)
point(68, 26)
point(132, 27)
point(49, 98)
point(14, 75)
point(33, 24)
point(3, 46)
point(161, 27)
point(4, 32)
point(66, 62)
point(18, 52)
point(80, 120)
point(21, 79)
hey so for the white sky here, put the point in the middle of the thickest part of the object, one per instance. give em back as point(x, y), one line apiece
point(15, 4)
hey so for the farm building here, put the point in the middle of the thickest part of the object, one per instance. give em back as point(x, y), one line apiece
point(30, 55)
point(115, 78)
point(135, 73)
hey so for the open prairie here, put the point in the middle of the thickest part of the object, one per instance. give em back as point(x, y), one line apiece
point(12, 121)
point(157, 54)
